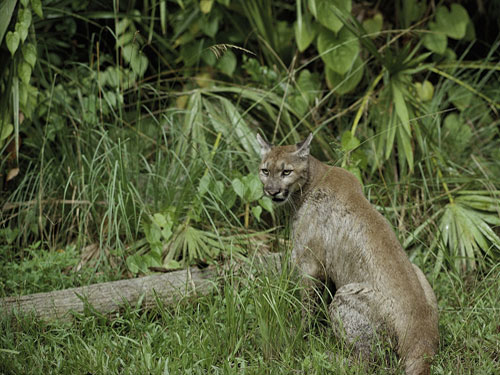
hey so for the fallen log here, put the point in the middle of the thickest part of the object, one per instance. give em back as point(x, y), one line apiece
point(109, 297)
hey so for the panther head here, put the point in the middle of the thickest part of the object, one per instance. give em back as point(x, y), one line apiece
point(283, 169)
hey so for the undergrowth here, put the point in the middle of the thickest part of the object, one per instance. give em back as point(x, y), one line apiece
point(252, 325)
point(43, 270)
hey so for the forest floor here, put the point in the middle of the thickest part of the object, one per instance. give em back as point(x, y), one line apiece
point(251, 325)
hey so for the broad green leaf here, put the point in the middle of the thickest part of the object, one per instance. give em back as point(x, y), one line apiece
point(218, 189)
point(9, 234)
point(6, 11)
point(166, 233)
point(256, 211)
point(172, 264)
point(266, 204)
point(22, 31)
point(24, 71)
point(312, 7)
point(113, 76)
point(307, 89)
point(373, 25)
point(356, 172)
point(129, 52)
point(208, 58)
point(156, 248)
point(36, 5)
point(29, 54)
point(125, 39)
point(348, 141)
point(299, 104)
point(136, 59)
point(460, 97)
point(412, 11)
point(305, 32)
point(343, 84)
point(25, 17)
point(449, 55)
point(326, 12)
point(457, 133)
point(139, 64)
point(6, 130)
point(309, 85)
point(425, 90)
point(140, 263)
point(151, 260)
point(160, 220)
point(238, 187)
point(206, 6)
point(191, 52)
point(23, 24)
point(470, 32)
point(153, 233)
point(359, 158)
point(253, 187)
point(210, 25)
point(133, 263)
point(12, 40)
point(452, 22)
point(122, 26)
point(435, 40)
point(227, 63)
point(338, 51)
point(111, 98)
point(204, 184)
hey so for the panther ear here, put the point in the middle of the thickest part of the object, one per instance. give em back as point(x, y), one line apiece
point(303, 147)
point(265, 147)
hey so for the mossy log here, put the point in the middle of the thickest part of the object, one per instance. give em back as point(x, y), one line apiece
point(109, 297)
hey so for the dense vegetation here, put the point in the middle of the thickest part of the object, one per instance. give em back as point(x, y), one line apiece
point(127, 141)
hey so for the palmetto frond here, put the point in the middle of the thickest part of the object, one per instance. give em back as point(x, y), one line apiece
point(466, 230)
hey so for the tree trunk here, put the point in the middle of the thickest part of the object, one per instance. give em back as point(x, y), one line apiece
point(111, 296)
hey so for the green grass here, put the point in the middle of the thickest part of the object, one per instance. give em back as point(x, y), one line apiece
point(44, 270)
point(251, 325)
point(469, 323)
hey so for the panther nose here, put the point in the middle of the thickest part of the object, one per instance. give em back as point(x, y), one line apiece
point(273, 192)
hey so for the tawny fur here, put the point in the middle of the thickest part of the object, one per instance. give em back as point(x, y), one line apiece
point(340, 237)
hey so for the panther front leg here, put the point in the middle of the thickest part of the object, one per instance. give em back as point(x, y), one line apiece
point(312, 279)
point(356, 318)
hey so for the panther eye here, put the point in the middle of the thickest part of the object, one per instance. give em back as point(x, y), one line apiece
point(286, 172)
point(265, 171)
